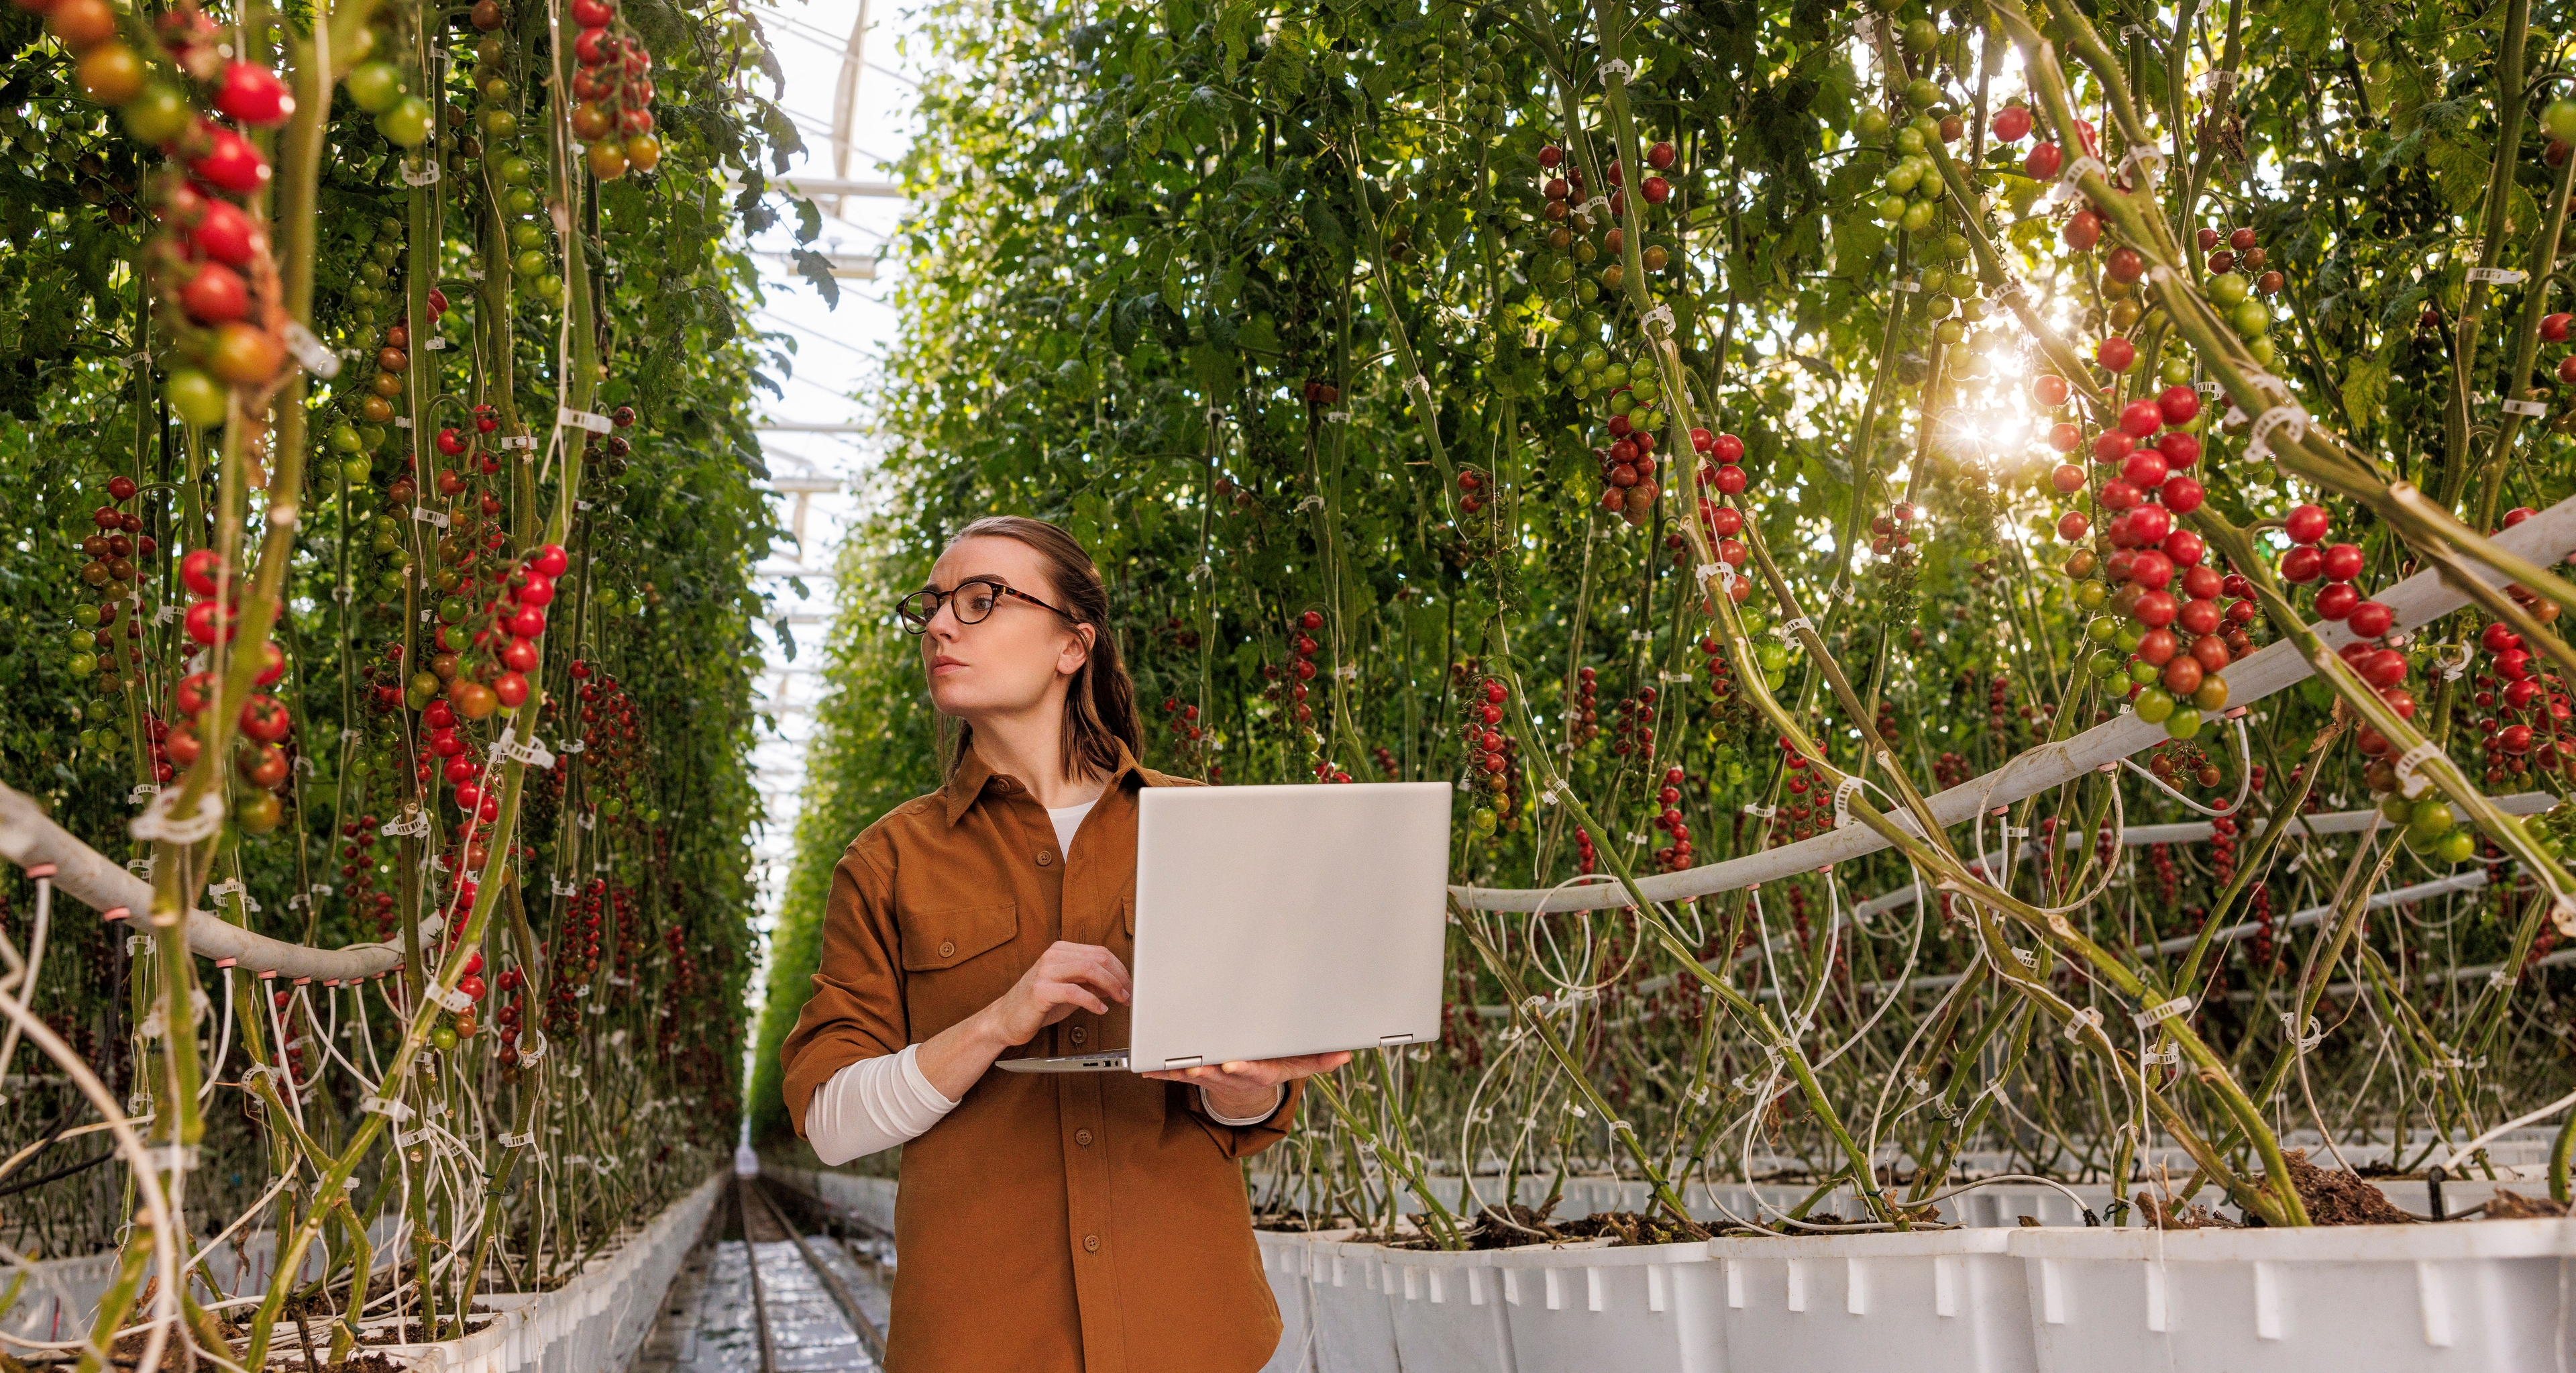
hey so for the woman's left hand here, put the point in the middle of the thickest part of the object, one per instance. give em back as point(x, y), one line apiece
point(1242, 1088)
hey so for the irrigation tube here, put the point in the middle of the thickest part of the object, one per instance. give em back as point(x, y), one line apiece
point(28, 837)
point(2544, 538)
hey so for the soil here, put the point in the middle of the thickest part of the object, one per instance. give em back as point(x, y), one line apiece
point(1293, 1221)
point(2507, 1205)
point(2193, 1217)
point(2334, 1197)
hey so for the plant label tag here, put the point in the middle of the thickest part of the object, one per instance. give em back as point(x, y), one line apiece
point(569, 418)
point(2496, 276)
point(402, 421)
point(2533, 408)
point(436, 344)
point(425, 515)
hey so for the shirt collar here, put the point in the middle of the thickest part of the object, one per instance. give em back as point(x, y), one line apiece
point(973, 775)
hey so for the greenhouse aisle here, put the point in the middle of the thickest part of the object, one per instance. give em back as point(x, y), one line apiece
point(709, 1321)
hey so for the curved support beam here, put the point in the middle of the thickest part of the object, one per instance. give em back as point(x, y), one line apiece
point(2544, 538)
point(29, 837)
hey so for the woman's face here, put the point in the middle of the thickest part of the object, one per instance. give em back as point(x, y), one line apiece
point(1010, 661)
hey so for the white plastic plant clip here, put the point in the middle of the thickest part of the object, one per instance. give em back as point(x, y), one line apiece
point(2411, 782)
point(2179, 1006)
point(157, 821)
point(1661, 315)
point(568, 418)
point(2089, 1018)
point(1616, 67)
point(2279, 417)
point(311, 353)
point(1843, 791)
point(2316, 1033)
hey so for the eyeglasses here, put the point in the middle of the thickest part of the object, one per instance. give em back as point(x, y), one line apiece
point(974, 600)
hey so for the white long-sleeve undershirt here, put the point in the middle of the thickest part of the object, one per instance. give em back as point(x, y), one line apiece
point(877, 1103)
point(873, 1105)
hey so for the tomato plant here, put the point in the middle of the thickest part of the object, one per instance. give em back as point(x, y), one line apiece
point(1841, 435)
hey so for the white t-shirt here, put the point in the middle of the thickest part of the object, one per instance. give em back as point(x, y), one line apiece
point(1066, 821)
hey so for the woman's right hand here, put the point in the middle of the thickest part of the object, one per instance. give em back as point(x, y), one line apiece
point(1068, 977)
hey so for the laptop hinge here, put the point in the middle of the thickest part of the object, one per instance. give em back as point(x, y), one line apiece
point(1385, 1040)
point(1192, 1061)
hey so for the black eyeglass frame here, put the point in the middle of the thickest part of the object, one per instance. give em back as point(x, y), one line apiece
point(918, 622)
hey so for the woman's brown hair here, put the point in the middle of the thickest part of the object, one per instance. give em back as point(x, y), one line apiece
point(1100, 707)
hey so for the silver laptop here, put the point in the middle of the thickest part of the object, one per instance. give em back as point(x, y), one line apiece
point(1274, 921)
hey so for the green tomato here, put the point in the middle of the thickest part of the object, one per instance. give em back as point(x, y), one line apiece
point(2184, 724)
point(157, 115)
point(1901, 177)
point(2101, 628)
point(2155, 705)
point(2229, 290)
point(515, 171)
point(1562, 363)
point(1622, 403)
point(82, 664)
point(86, 616)
point(344, 438)
point(452, 609)
point(198, 398)
point(374, 86)
point(1775, 658)
point(2092, 595)
point(1909, 140)
point(406, 125)
point(1921, 36)
point(2144, 673)
point(522, 201)
point(2176, 371)
point(526, 234)
point(356, 470)
point(2124, 637)
point(529, 264)
point(2104, 665)
point(1892, 209)
point(372, 435)
point(2395, 808)
point(2251, 318)
point(2459, 846)
point(1921, 93)
point(443, 1039)
point(2560, 120)
point(1918, 217)
point(499, 124)
point(2264, 354)
point(1482, 821)
point(1872, 124)
point(2430, 820)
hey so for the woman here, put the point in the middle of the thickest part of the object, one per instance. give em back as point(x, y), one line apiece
point(1047, 1221)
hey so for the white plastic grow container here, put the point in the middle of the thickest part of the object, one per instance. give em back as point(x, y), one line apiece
point(1645, 1309)
point(1286, 1259)
point(1354, 1321)
point(1448, 1312)
point(1945, 1302)
point(2488, 1295)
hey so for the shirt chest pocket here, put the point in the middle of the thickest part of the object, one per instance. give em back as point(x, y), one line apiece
point(956, 961)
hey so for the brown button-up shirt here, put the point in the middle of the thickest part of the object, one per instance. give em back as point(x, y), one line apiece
point(1091, 1222)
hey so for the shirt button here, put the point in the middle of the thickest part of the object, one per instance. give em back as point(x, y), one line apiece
point(1082, 1137)
point(1091, 1244)
point(947, 948)
point(1045, 857)
point(1080, 1034)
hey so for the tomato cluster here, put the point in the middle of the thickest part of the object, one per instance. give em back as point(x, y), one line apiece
point(1675, 856)
point(214, 286)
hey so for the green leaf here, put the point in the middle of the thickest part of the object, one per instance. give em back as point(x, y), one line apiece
point(816, 268)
